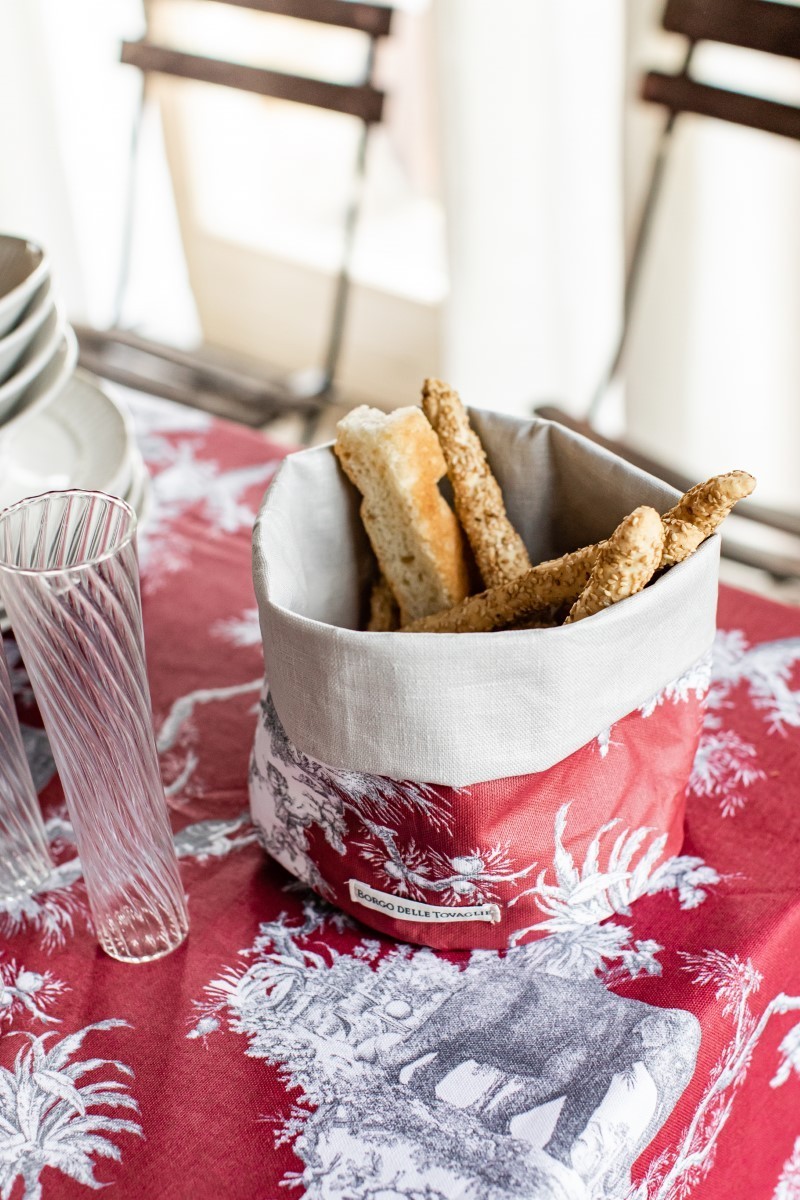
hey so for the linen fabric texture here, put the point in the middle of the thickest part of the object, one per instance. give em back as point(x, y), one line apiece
point(450, 770)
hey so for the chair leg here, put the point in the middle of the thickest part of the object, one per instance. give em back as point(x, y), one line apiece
point(779, 565)
point(640, 242)
point(129, 216)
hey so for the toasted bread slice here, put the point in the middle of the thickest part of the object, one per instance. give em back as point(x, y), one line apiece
point(396, 463)
point(384, 614)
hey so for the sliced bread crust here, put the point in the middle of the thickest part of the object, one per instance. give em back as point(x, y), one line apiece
point(396, 463)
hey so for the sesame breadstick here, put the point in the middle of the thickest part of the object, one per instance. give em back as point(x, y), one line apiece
point(543, 588)
point(384, 614)
point(499, 550)
point(626, 562)
point(698, 513)
point(561, 580)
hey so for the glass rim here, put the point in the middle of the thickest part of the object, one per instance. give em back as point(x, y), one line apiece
point(96, 559)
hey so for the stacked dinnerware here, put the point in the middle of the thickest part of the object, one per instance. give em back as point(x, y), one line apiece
point(58, 427)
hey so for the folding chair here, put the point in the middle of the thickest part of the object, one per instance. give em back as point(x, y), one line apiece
point(193, 379)
point(763, 25)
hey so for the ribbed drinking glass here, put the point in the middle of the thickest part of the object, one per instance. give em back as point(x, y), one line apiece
point(69, 579)
point(24, 861)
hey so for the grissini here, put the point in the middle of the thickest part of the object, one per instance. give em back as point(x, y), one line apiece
point(700, 511)
point(396, 463)
point(561, 580)
point(626, 563)
point(539, 591)
point(499, 550)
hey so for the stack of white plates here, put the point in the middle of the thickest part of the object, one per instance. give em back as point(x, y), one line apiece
point(58, 428)
point(82, 439)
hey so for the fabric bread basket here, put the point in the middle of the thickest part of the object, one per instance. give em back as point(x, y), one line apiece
point(458, 790)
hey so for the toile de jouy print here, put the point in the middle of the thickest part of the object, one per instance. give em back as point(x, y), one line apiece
point(636, 1037)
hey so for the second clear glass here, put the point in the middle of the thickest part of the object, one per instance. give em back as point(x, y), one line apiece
point(24, 861)
point(70, 583)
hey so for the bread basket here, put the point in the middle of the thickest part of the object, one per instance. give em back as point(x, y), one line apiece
point(473, 790)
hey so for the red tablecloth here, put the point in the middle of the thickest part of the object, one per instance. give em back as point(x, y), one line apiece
point(244, 1065)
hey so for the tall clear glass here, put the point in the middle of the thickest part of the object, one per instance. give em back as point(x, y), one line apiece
point(24, 861)
point(69, 579)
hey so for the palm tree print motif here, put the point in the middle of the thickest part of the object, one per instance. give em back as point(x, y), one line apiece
point(788, 1186)
point(766, 669)
point(27, 992)
point(679, 1169)
point(302, 793)
point(580, 898)
point(725, 766)
point(53, 911)
point(693, 682)
point(181, 480)
point(47, 1116)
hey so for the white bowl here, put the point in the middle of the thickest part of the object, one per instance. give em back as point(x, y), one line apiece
point(23, 268)
point(46, 386)
point(33, 361)
point(15, 343)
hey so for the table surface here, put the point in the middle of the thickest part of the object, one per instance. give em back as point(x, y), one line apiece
point(233, 1067)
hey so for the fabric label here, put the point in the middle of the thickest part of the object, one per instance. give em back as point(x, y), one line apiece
point(403, 909)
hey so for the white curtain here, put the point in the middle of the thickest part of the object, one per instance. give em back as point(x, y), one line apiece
point(547, 151)
point(531, 131)
point(69, 109)
point(34, 193)
point(713, 369)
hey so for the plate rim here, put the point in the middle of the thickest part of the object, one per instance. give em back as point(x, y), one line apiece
point(122, 467)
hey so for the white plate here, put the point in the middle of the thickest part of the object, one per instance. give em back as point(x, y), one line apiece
point(33, 362)
point(46, 386)
point(23, 269)
point(15, 343)
point(83, 439)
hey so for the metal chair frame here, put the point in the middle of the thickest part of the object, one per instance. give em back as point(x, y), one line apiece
point(755, 24)
point(124, 356)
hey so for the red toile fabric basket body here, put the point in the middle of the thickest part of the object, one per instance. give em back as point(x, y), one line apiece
point(377, 770)
point(495, 864)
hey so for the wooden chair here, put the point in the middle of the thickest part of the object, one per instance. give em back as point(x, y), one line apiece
point(150, 366)
point(762, 25)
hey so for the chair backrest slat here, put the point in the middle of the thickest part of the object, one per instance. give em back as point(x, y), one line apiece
point(374, 19)
point(363, 100)
point(755, 24)
point(682, 94)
